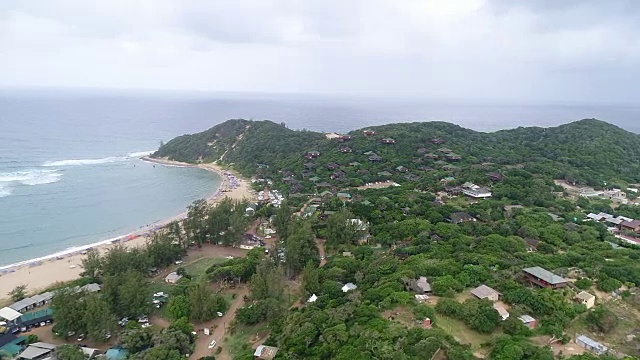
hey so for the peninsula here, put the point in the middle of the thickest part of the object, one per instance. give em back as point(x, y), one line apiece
point(402, 241)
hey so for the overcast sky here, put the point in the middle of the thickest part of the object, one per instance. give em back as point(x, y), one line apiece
point(539, 50)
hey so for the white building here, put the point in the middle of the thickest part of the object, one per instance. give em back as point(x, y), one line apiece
point(476, 191)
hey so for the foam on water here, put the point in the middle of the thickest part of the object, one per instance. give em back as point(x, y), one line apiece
point(79, 162)
point(106, 160)
point(29, 177)
point(140, 154)
point(4, 191)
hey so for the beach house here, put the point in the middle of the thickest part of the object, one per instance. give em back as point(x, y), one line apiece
point(585, 299)
point(485, 292)
point(544, 278)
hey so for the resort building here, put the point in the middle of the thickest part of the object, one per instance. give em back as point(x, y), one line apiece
point(544, 278)
point(585, 299)
point(265, 352)
point(485, 292)
point(591, 345)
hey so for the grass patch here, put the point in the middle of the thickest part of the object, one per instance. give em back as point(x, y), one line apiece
point(198, 268)
point(239, 343)
point(461, 332)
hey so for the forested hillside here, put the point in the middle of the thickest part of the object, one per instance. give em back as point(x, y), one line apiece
point(587, 151)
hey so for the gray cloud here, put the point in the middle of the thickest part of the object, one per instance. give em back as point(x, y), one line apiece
point(498, 49)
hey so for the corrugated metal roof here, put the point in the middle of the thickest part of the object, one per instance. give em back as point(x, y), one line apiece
point(545, 275)
point(483, 291)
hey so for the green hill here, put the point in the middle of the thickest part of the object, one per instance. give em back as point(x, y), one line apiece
point(586, 151)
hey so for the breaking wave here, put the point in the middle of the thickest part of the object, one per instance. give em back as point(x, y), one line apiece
point(107, 160)
point(140, 154)
point(4, 191)
point(30, 177)
point(85, 161)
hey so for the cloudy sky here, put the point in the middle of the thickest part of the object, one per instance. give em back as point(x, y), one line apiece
point(537, 50)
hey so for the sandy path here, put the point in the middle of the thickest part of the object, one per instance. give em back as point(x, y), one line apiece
point(219, 332)
point(38, 276)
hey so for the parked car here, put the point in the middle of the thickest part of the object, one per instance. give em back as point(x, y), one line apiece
point(219, 314)
point(212, 344)
point(80, 337)
point(179, 262)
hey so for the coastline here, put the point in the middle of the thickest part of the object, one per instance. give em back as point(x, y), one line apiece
point(65, 265)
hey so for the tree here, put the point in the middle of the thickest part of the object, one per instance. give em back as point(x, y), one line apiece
point(300, 248)
point(127, 294)
point(310, 279)
point(18, 293)
point(69, 352)
point(267, 282)
point(583, 284)
point(203, 303)
point(68, 311)
point(98, 319)
point(602, 319)
point(136, 340)
point(195, 225)
point(282, 220)
point(341, 230)
point(92, 264)
point(178, 307)
point(182, 325)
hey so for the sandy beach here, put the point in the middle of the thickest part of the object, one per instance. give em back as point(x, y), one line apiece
point(40, 273)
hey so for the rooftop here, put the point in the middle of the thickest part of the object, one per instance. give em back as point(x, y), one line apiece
point(266, 352)
point(545, 275)
point(526, 318)
point(483, 291)
point(583, 295)
point(9, 314)
point(591, 343)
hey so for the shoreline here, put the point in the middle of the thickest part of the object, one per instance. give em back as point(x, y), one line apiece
point(44, 271)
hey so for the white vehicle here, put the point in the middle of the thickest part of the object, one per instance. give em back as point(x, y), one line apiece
point(229, 257)
point(81, 337)
point(212, 344)
point(178, 262)
point(146, 325)
point(219, 314)
point(143, 319)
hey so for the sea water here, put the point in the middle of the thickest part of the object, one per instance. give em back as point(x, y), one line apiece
point(70, 172)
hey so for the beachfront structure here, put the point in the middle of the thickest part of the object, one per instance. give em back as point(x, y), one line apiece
point(265, 352)
point(36, 351)
point(172, 278)
point(485, 292)
point(585, 299)
point(9, 315)
point(591, 345)
point(544, 278)
point(32, 302)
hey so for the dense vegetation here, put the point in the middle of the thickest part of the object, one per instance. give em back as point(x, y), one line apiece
point(586, 151)
point(379, 238)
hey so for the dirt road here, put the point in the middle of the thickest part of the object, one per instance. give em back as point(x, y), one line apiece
point(220, 325)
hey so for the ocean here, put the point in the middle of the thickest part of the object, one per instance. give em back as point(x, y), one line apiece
point(70, 172)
